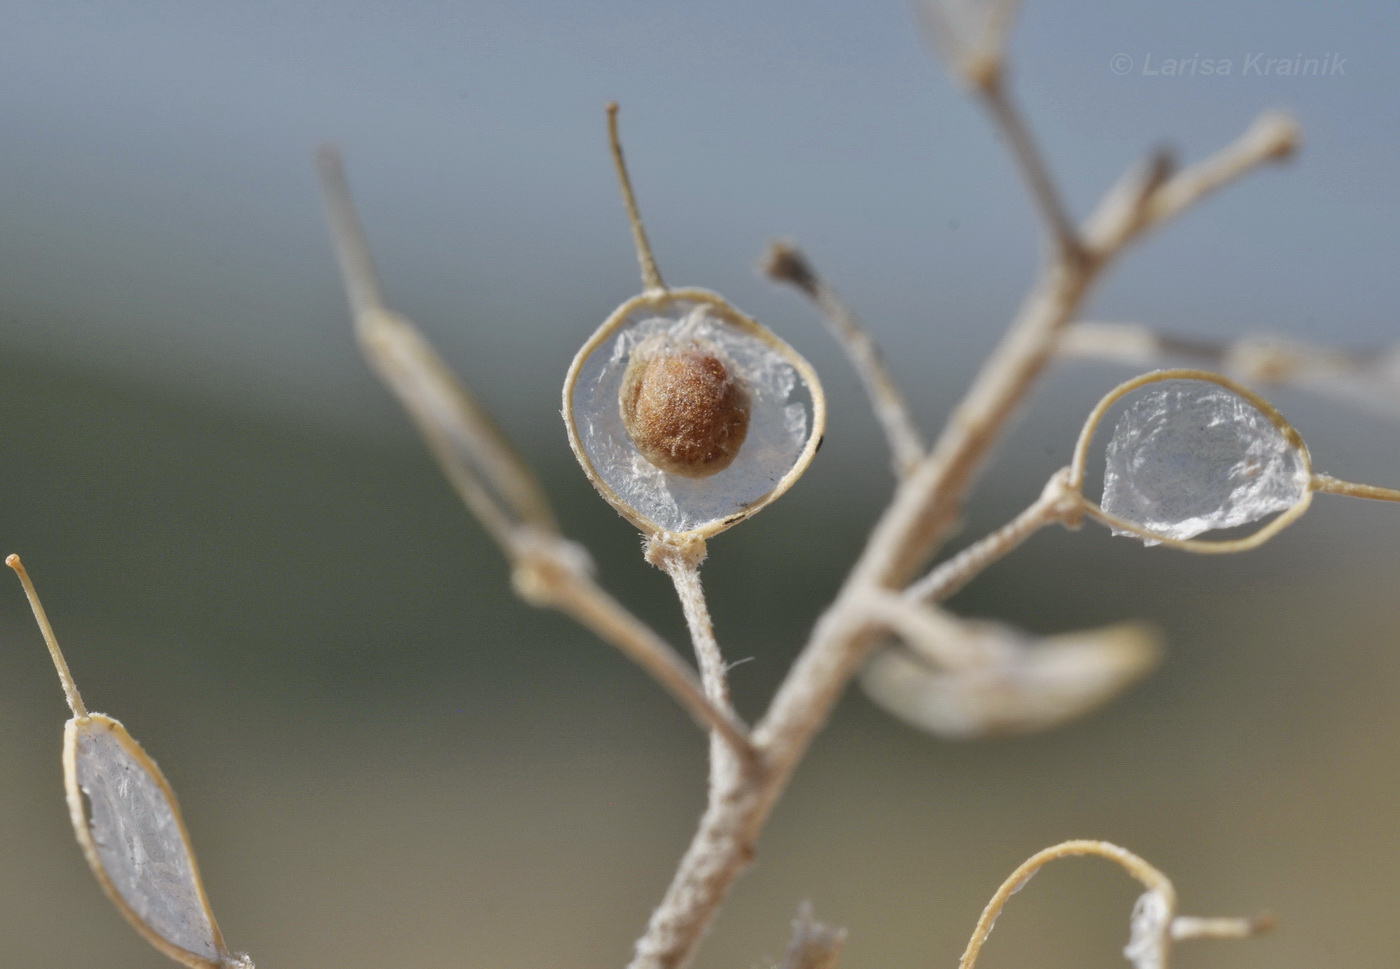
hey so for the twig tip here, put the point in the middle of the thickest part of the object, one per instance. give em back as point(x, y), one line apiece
point(1280, 133)
point(784, 263)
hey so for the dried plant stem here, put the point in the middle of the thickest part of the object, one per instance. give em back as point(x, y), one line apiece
point(1141, 346)
point(1058, 503)
point(1272, 137)
point(547, 578)
point(1368, 379)
point(651, 276)
point(785, 263)
point(924, 506)
point(940, 637)
point(65, 678)
point(682, 564)
point(1193, 927)
point(1002, 106)
point(492, 479)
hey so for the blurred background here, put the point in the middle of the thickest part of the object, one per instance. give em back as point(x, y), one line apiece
point(383, 758)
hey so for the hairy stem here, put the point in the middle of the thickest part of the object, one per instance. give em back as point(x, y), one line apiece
point(925, 506)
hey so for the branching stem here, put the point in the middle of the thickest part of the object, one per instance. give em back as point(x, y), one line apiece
point(785, 263)
point(924, 507)
point(1056, 504)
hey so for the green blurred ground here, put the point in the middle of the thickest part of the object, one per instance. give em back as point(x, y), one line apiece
point(385, 760)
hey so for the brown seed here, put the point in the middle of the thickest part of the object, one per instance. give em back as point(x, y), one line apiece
point(684, 410)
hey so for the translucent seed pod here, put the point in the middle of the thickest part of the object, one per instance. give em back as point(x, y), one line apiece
point(127, 821)
point(1194, 452)
point(687, 415)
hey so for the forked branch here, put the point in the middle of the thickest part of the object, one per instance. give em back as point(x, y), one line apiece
point(924, 507)
point(491, 477)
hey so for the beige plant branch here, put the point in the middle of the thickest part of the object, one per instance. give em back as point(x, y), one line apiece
point(1273, 136)
point(1185, 927)
point(491, 477)
point(1058, 504)
point(487, 472)
point(681, 561)
point(997, 98)
point(1369, 379)
point(971, 36)
point(1336, 486)
point(940, 637)
point(785, 263)
point(928, 503)
point(924, 507)
point(549, 575)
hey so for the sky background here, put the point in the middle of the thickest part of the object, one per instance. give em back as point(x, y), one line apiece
point(383, 758)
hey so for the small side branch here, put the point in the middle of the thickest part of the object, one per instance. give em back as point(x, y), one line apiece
point(814, 945)
point(1272, 137)
point(553, 576)
point(1058, 503)
point(784, 263)
point(1002, 107)
point(65, 678)
point(1369, 379)
point(1336, 486)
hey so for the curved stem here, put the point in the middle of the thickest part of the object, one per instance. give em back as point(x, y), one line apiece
point(1152, 879)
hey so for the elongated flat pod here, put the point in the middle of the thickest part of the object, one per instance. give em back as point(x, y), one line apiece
point(129, 826)
point(128, 823)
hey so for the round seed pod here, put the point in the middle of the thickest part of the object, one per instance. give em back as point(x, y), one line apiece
point(687, 415)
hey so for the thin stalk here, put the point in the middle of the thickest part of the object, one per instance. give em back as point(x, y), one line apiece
point(1054, 505)
point(785, 263)
point(1335, 486)
point(70, 688)
point(651, 276)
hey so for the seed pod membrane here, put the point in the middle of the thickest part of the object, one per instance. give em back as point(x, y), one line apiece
point(671, 463)
point(1188, 456)
point(129, 827)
